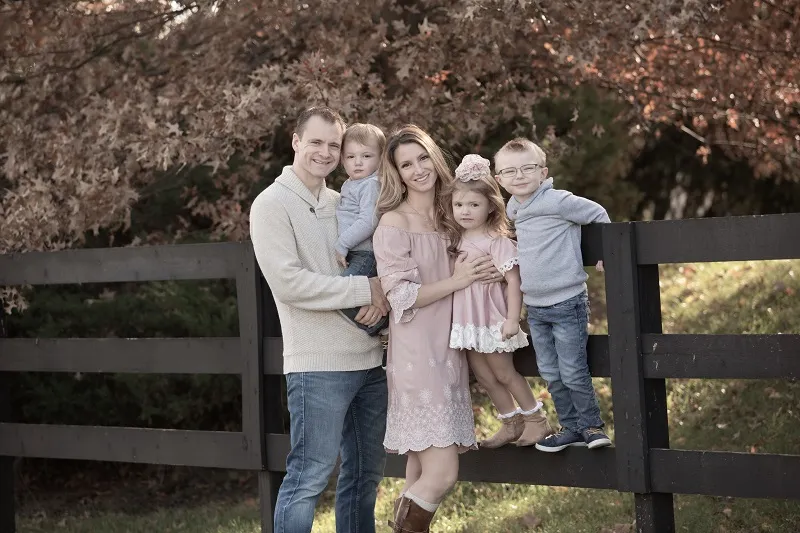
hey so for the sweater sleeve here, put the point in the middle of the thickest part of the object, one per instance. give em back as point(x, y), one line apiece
point(581, 210)
point(276, 252)
point(366, 222)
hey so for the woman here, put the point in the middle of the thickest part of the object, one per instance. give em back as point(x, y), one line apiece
point(430, 410)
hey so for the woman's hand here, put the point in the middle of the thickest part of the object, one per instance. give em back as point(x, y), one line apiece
point(510, 328)
point(466, 271)
point(494, 276)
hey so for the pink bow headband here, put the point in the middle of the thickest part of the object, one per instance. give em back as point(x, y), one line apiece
point(473, 167)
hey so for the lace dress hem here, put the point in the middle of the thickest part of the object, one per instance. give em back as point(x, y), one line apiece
point(463, 447)
point(427, 418)
point(485, 339)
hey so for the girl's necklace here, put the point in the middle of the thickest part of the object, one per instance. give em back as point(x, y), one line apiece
point(425, 219)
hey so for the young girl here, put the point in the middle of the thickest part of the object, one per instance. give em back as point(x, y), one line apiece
point(485, 319)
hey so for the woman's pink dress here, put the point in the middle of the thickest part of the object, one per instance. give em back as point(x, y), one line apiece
point(480, 309)
point(429, 399)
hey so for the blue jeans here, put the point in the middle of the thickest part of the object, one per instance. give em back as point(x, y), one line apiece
point(362, 263)
point(559, 335)
point(334, 413)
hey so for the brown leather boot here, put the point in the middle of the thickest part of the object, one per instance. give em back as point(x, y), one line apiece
point(536, 428)
point(509, 432)
point(411, 518)
point(394, 514)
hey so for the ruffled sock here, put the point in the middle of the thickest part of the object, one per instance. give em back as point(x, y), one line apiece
point(538, 406)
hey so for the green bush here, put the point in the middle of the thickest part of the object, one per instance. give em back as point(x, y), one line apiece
point(160, 309)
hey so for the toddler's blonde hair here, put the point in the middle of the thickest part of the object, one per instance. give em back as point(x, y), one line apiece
point(365, 134)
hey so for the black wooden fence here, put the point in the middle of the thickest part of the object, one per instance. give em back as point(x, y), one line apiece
point(635, 354)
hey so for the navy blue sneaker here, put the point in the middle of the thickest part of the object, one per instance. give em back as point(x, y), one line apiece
point(595, 438)
point(560, 440)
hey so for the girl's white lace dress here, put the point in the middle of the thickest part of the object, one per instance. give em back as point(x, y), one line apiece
point(480, 310)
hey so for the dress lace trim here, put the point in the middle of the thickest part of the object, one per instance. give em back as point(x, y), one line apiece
point(402, 298)
point(416, 424)
point(508, 265)
point(485, 339)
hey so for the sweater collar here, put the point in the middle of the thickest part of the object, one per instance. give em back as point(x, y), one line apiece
point(289, 179)
point(515, 206)
point(373, 176)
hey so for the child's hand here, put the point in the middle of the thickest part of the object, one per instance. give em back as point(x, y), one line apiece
point(599, 266)
point(510, 328)
point(341, 260)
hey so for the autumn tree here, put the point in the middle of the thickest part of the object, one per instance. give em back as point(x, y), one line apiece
point(103, 101)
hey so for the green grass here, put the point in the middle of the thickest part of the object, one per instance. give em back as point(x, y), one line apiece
point(735, 415)
point(211, 518)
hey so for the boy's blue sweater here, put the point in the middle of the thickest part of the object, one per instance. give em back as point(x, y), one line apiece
point(548, 229)
point(356, 214)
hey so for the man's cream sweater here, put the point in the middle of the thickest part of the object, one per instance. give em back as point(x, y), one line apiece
point(294, 237)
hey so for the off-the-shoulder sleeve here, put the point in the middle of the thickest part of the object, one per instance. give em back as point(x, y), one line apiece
point(504, 254)
point(397, 270)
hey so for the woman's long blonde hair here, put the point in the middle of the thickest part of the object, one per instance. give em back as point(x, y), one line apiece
point(497, 222)
point(393, 191)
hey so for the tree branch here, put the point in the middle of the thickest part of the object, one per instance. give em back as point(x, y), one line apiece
point(779, 8)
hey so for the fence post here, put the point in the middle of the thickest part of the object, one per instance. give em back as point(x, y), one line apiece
point(653, 508)
point(7, 520)
point(268, 481)
point(248, 299)
point(640, 418)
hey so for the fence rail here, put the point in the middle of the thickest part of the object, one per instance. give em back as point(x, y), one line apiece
point(109, 265)
point(225, 449)
point(635, 354)
point(721, 356)
point(135, 356)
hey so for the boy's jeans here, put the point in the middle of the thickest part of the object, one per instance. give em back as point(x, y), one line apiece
point(333, 413)
point(362, 263)
point(559, 335)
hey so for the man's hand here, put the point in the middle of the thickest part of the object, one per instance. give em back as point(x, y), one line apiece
point(342, 260)
point(599, 266)
point(369, 315)
point(378, 298)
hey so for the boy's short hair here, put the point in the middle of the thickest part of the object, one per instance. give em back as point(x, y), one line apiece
point(322, 111)
point(521, 144)
point(365, 134)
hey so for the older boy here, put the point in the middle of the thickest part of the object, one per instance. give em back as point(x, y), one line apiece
point(547, 223)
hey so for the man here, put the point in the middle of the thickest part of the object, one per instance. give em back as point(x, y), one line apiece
point(336, 387)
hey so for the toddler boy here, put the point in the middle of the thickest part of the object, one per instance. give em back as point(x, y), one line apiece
point(362, 147)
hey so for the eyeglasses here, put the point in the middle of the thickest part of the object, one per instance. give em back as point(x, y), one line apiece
point(527, 170)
